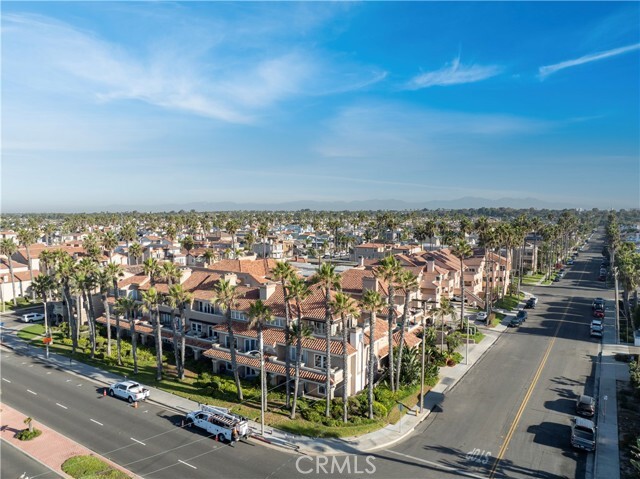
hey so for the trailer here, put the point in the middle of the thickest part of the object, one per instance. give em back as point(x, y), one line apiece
point(220, 423)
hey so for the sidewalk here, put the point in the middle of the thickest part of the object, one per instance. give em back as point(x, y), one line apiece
point(41, 448)
point(607, 459)
point(385, 437)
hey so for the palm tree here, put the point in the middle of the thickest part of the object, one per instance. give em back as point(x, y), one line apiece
point(345, 307)
point(445, 310)
point(263, 230)
point(8, 248)
point(388, 271)
point(151, 268)
point(328, 279)
point(179, 299)
point(226, 295)
point(187, 243)
point(298, 291)
point(150, 303)
point(170, 273)
point(128, 233)
point(64, 267)
point(135, 251)
point(85, 278)
point(109, 242)
point(409, 283)
point(43, 285)
point(259, 316)
point(26, 237)
point(372, 301)
point(431, 229)
point(112, 272)
point(461, 250)
point(127, 306)
point(283, 272)
point(208, 256)
point(232, 227)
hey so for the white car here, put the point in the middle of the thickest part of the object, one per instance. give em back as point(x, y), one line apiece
point(481, 316)
point(129, 390)
point(32, 317)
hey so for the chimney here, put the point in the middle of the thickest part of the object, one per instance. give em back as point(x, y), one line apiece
point(369, 283)
point(431, 264)
point(231, 278)
point(362, 261)
point(266, 290)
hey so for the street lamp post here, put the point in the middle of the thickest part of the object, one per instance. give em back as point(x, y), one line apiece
point(262, 388)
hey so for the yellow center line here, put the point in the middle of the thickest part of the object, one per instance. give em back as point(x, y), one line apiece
point(527, 396)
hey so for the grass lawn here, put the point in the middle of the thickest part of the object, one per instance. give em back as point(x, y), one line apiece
point(90, 466)
point(532, 279)
point(201, 391)
point(509, 302)
point(22, 303)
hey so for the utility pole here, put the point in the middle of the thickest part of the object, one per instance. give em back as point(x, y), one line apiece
point(424, 340)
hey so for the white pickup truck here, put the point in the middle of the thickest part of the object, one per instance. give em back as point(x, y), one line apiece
point(129, 390)
point(220, 423)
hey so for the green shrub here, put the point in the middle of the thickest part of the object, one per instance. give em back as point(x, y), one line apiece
point(384, 396)
point(91, 467)
point(311, 415)
point(379, 410)
point(26, 435)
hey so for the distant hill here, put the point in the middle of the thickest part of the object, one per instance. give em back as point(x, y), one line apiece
point(373, 205)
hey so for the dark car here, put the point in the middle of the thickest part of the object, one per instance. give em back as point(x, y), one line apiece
point(515, 322)
point(522, 315)
point(530, 304)
point(586, 406)
point(598, 303)
point(557, 279)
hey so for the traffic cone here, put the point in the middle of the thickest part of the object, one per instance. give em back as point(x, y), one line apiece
point(104, 391)
point(135, 404)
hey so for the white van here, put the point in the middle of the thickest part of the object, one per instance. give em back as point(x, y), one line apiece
point(32, 317)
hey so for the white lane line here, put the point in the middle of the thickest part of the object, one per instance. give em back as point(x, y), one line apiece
point(93, 420)
point(30, 365)
point(30, 391)
point(187, 464)
point(139, 442)
point(6, 380)
point(439, 466)
point(68, 380)
point(48, 372)
point(78, 385)
point(63, 407)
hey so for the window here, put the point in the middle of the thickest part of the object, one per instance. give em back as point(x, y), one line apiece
point(320, 361)
point(239, 315)
point(292, 353)
point(227, 342)
point(250, 344)
point(322, 390)
point(196, 327)
point(251, 372)
point(205, 307)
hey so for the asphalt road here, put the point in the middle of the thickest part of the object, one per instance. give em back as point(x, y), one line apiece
point(17, 465)
point(509, 417)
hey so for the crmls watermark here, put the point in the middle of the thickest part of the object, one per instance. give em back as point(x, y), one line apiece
point(331, 465)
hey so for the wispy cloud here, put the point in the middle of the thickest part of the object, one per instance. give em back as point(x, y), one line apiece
point(454, 74)
point(547, 70)
point(225, 81)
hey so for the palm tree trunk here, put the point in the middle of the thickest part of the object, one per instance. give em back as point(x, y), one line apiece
point(296, 374)
point(263, 396)
point(33, 293)
point(462, 298)
point(92, 330)
point(134, 343)
point(118, 340)
point(176, 345)
point(232, 350)
point(183, 327)
point(158, 333)
point(13, 280)
point(287, 338)
point(345, 370)
point(404, 322)
point(327, 325)
point(372, 358)
point(107, 314)
point(390, 314)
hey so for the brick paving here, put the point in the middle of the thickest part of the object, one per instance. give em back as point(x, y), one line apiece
point(50, 448)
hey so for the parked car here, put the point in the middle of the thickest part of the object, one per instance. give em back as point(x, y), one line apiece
point(530, 304)
point(32, 317)
point(598, 303)
point(522, 315)
point(586, 406)
point(557, 278)
point(598, 313)
point(570, 262)
point(515, 322)
point(481, 316)
point(583, 434)
point(129, 390)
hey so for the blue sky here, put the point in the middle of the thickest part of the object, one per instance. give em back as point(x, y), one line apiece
point(165, 102)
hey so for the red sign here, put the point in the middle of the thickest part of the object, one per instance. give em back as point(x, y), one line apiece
point(47, 340)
